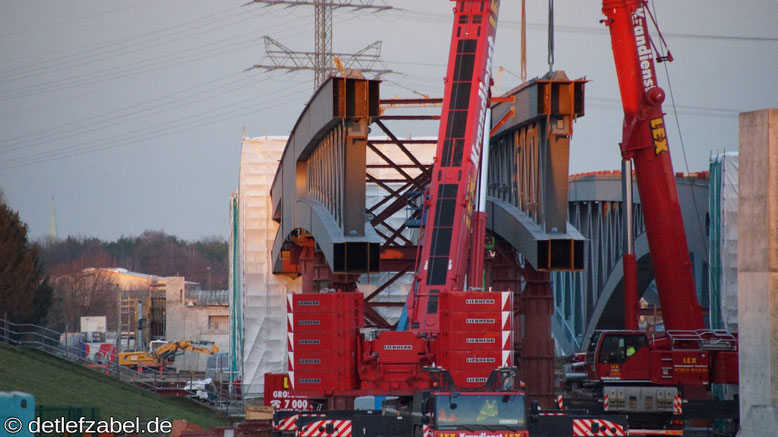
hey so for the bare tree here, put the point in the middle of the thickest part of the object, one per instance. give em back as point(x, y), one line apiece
point(89, 292)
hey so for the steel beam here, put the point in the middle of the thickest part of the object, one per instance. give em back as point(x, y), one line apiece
point(528, 166)
point(320, 183)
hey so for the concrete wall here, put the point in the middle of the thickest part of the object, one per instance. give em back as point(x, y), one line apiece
point(191, 322)
point(758, 272)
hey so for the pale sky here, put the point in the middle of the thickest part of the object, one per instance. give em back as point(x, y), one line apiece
point(130, 113)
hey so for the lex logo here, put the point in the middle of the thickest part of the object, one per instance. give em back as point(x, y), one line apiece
point(690, 360)
point(493, 16)
point(659, 135)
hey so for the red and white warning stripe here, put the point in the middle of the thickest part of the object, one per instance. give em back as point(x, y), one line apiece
point(605, 403)
point(290, 352)
point(583, 427)
point(553, 414)
point(507, 300)
point(507, 358)
point(287, 424)
point(560, 402)
point(290, 423)
point(677, 405)
point(427, 430)
point(507, 320)
point(507, 340)
point(340, 428)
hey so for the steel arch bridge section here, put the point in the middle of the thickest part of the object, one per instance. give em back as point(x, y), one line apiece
point(339, 195)
point(320, 183)
point(526, 206)
point(593, 299)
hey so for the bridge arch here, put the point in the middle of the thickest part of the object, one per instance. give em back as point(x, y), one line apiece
point(593, 299)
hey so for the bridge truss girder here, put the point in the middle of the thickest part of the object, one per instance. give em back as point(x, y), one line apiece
point(592, 299)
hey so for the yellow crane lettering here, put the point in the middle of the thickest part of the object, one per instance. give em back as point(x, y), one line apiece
point(493, 15)
point(659, 135)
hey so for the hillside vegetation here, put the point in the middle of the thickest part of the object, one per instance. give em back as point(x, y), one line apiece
point(57, 382)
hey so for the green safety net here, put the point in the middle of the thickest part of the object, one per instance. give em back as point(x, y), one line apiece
point(236, 321)
point(714, 240)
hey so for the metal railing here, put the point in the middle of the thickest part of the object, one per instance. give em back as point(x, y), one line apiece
point(64, 346)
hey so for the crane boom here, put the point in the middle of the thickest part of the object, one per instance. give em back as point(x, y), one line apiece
point(448, 230)
point(645, 142)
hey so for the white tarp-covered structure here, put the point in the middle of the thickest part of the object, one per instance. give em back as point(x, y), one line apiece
point(723, 240)
point(257, 297)
point(260, 299)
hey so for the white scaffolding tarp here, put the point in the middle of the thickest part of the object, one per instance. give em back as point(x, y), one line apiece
point(263, 294)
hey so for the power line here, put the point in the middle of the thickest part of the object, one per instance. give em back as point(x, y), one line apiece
point(78, 61)
point(198, 24)
point(680, 138)
point(425, 16)
point(182, 124)
point(49, 26)
point(320, 60)
point(127, 72)
point(94, 123)
point(148, 65)
point(101, 121)
point(700, 110)
point(210, 110)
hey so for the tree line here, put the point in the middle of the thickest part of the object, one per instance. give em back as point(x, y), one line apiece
point(31, 285)
point(153, 252)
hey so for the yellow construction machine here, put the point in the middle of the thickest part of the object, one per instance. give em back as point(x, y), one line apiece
point(163, 356)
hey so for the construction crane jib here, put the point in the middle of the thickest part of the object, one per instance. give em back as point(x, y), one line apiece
point(644, 141)
point(451, 201)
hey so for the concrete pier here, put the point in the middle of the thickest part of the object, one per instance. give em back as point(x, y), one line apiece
point(758, 272)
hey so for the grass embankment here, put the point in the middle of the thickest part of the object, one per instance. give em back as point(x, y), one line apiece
point(57, 382)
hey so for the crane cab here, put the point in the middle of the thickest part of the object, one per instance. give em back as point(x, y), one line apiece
point(618, 355)
point(499, 414)
point(672, 358)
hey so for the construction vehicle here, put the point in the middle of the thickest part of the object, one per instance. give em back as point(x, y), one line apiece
point(164, 355)
point(448, 366)
point(660, 379)
point(454, 348)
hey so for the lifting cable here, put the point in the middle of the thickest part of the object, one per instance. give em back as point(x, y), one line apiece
point(523, 42)
point(662, 57)
point(550, 36)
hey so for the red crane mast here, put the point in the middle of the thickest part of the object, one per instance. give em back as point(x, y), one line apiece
point(450, 206)
point(645, 142)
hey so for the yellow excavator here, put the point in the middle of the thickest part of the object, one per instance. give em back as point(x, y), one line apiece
point(163, 356)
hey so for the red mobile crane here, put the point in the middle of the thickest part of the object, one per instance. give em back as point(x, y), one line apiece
point(452, 368)
point(637, 372)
